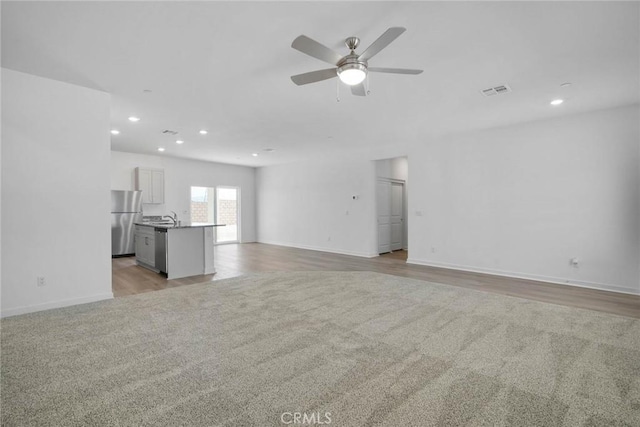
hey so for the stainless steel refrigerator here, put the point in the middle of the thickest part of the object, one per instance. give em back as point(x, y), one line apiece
point(126, 209)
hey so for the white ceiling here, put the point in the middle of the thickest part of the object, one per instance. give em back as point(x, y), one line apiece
point(225, 67)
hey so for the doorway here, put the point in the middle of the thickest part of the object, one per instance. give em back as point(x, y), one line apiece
point(390, 211)
point(227, 213)
point(218, 205)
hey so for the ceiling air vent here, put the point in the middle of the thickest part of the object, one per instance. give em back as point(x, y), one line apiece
point(496, 90)
point(169, 132)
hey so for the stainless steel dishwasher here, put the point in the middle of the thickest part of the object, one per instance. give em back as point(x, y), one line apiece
point(161, 249)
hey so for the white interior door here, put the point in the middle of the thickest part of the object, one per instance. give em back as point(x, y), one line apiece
point(396, 217)
point(384, 216)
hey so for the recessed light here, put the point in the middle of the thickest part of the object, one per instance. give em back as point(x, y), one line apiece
point(567, 84)
point(160, 148)
point(269, 150)
point(557, 101)
point(203, 132)
point(254, 154)
point(115, 131)
point(179, 141)
point(134, 119)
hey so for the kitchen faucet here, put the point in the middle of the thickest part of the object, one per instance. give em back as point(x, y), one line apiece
point(173, 217)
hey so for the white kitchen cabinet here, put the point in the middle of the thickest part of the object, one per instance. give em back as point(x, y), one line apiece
point(151, 183)
point(145, 246)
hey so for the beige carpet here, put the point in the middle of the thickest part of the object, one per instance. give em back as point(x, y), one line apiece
point(353, 348)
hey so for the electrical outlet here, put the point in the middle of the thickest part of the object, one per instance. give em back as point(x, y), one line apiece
point(574, 262)
point(433, 250)
point(40, 281)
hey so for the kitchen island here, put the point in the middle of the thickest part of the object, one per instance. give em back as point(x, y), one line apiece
point(181, 250)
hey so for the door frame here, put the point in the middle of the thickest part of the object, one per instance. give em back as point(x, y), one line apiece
point(404, 213)
point(238, 215)
point(214, 208)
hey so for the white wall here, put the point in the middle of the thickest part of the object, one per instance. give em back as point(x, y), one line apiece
point(310, 205)
point(1, 207)
point(395, 168)
point(55, 194)
point(523, 200)
point(180, 175)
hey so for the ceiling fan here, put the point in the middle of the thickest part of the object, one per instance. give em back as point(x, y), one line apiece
point(352, 69)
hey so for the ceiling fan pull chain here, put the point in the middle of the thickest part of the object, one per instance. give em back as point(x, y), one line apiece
point(366, 85)
point(338, 90)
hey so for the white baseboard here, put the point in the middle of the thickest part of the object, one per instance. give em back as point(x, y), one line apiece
point(319, 249)
point(54, 304)
point(540, 278)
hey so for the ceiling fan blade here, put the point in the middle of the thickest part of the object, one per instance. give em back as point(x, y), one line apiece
point(393, 70)
point(312, 48)
point(358, 90)
point(314, 76)
point(383, 41)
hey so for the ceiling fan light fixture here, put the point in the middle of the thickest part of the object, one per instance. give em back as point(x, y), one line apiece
point(352, 74)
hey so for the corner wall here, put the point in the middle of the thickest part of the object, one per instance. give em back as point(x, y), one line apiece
point(310, 205)
point(523, 200)
point(55, 194)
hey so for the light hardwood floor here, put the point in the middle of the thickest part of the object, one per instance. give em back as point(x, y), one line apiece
point(237, 259)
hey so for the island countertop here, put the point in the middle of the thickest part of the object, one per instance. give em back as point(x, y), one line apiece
point(180, 224)
point(182, 250)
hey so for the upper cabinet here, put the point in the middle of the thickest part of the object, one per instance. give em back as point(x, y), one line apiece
point(151, 182)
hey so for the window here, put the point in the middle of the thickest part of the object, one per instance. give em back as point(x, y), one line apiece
point(219, 205)
point(227, 213)
point(202, 208)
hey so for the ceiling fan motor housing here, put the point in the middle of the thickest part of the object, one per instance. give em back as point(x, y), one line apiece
point(351, 62)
